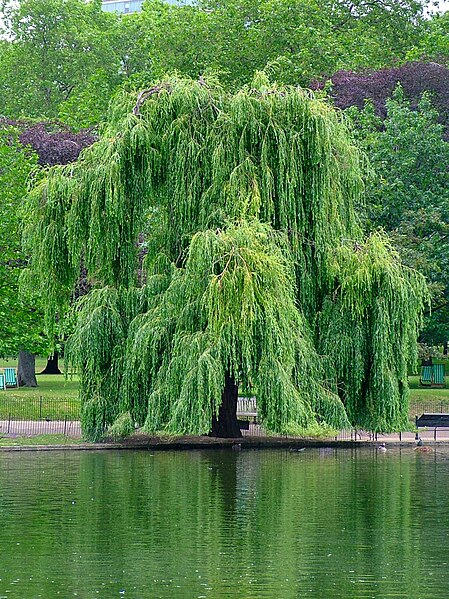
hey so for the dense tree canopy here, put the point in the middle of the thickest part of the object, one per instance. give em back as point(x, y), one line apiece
point(433, 42)
point(408, 192)
point(256, 272)
point(54, 47)
point(65, 59)
point(20, 316)
point(354, 89)
point(299, 40)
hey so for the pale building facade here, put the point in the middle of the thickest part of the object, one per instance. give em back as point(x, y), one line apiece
point(123, 6)
point(129, 6)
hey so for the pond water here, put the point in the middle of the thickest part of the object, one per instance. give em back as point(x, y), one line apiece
point(321, 523)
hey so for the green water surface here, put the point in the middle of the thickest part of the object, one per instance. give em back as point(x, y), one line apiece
point(321, 523)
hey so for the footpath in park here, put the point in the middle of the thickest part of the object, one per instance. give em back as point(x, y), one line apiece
point(255, 437)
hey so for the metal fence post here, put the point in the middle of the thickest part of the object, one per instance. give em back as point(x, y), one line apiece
point(65, 425)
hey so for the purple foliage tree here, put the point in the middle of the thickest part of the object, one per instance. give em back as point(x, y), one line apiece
point(53, 142)
point(352, 89)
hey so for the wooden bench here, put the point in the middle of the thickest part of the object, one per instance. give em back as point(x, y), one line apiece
point(432, 421)
point(246, 408)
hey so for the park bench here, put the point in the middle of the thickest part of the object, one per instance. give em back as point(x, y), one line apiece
point(438, 375)
point(246, 408)
point(434, 421)
point(2, 382)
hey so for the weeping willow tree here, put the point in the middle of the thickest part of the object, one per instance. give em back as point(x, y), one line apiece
point(255, 273)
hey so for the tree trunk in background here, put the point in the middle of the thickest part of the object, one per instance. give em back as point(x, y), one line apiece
point(26, 374)
point(52, 366)
point(227, 426)
point(445, 348)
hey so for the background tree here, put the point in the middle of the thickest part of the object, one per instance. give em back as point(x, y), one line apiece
point(52, 141)
point(305, 40)
point(298, 41)
point(65, 60)
point(354, 89)
point(126, 60)
point(432, 44)
point(408, 194)
point(21, 317)
point(23, 146)
point(245, 204)
point(54, 50)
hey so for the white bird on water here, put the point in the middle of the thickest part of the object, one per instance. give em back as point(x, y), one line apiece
point(382, 448)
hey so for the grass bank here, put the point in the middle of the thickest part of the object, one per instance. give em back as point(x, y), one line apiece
point(427, 395)
point(39, 440)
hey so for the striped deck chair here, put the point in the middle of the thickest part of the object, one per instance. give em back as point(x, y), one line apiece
point(10, 377)
point(426, 376)
point(438, 375)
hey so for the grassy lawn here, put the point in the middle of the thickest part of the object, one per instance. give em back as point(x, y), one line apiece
point(49, 385)
point(39, 440)
point(55, 398)
point(40, 363)
point(426, 394)
point(12, 362)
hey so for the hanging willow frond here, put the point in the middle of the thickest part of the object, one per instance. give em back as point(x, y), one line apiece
point(369, 328)
point(231, 309)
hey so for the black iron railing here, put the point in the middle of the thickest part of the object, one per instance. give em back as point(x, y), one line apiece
point(39, 415)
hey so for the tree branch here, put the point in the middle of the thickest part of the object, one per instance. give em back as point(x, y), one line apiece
point(146, 93)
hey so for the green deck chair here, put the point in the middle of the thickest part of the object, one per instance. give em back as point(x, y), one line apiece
point(438, 375)
point(426, 376)
point(10, 377)
point(2, 382)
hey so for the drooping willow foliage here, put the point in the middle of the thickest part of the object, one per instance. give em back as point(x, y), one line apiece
point(244, 207)
point(368, 329)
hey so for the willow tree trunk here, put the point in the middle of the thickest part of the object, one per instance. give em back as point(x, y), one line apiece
point(226, 425)
point(52, 366)
point(26, 373)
